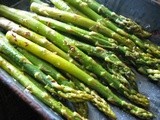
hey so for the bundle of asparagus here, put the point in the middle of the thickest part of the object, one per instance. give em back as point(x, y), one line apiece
point(64, 66)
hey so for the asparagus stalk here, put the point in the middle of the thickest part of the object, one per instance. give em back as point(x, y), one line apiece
point(85, 9)
point(108, 56)
point(91, 36)
point(82, 6)
point(112, 81)
point(38, 92)
point(64, 43)
point(95, 38)
point(47, 68)
point(89, 24)
point(78, 73)
point(122, 21)
point(97, 101)
point(49, 83)
point(75, 52)
point(60, 4)
point(41, 40)
point(103, 106)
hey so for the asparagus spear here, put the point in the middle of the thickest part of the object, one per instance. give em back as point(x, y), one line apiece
point(97, 100)
point(131, 94)
point(78, 73)
point(75, 52)
point(38, 92)
point(94, 37)
point(109, 57)
point(91, 36)
point(41, 40)
point(80, 107)
point(47, 68)
point(60, 4)
point(122, 21)
point(89, 63)
point(9, 25)
point(85, 9)
point(49, 83)
point(89, 24)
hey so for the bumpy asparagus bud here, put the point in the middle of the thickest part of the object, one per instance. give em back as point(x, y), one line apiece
point(97, 101)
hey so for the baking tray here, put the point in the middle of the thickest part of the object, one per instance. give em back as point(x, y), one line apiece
point(147, 14)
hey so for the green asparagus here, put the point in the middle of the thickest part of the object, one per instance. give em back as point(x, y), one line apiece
point(88, 35)
point(103, 106)
point(78, 73)
point(89, 24)
point(60, 4)
point(91, 36)
point(85, 9)
point(64, 43)
point(47, 68)
point(41, 40)
point(112, 81)
point(122, 21)
point(35, 90)
point(97, 101)
point(49, 82)
point(95, 38)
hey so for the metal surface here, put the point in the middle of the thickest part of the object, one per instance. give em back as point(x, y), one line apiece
point(147, 14)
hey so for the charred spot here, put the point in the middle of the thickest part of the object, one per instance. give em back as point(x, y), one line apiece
point(15, 39)
point(9, 69)
point(26, 44)
point(72, 48)
point(27, 34)
point(65, 43)
point(20, 25)
point(48, 24)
